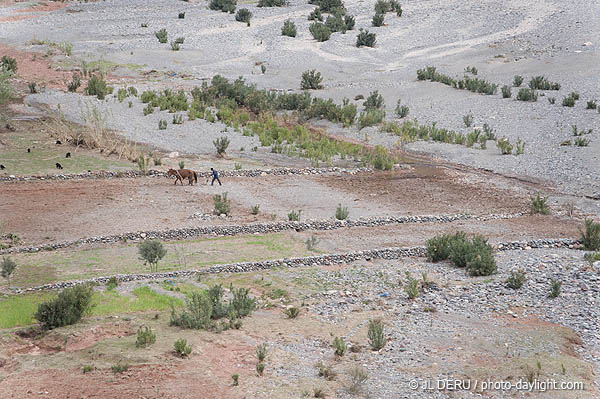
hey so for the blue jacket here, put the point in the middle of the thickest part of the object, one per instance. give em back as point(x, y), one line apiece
point(215, 174)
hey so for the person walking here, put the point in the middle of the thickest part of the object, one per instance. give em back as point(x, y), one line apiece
point(215, 177)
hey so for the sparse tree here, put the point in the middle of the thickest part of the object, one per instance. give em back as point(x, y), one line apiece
point(151, 252)
point(7, 268)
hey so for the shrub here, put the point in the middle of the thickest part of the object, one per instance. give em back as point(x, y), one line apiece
point(235, 378)
point(260, 368)
point(66, 309)
point(468, 120)
point(244, 15)
point(162, 124)
point(377, 20)
point(339, 346)
point(7, 268)
point(221, 145)
point(412, 286)
point(261, 352)
point(364, 38)
point(371, 117)
point(527, 95)
point(518, 80)
point(592, 257)
point(151, 252)
point(382, 159)
point(178, 119)
point(97, 87)
point(182, 349)
point(255, 209)
point(223, 5)
point(326, 372)
point(331, 6)
point(555, 288)
point(315, 15)
point(341, 212)
point(349, 21)
point(8, 65)
point(162, 35)
point(481, 260)
point(438, 247)
point(88, 369)
point(591, 105)
point(568, 101)
point(375, 334)
point(401, 110)
point(335, 23)
point(320, 32)
point(145, 337)
point(552, 100)
point(222, 205)
point(358, 375)
point(292, 312)
point(504, 146)
point(294, 216)
point(581, 142)
point(181, 15)
point(197, 314)
point(74, 84)
point(311, 80)
point(289, 28)
point(112, 283)
point(119, 368)
point(476, 254)
point(311, 243)
point(506, 92)
point(32, 87)
point(272, 3)
point(175, 46)
point(374, 101)
point(541, 83)
point(590, 235)
point(539, 205)
point(148, 109)
point(241, 303)
point(516, 279)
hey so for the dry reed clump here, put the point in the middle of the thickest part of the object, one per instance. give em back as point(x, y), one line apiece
point(93, 135)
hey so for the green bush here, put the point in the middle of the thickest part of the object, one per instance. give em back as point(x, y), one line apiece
point(66, 309)
point(175, 46)
point(119, 368)
point(331, 6)
point(349, 21)
point(481, 260)
point(516, 279)
point(371, 117)
point(504, 146)
point(364, 38)
point(412, 286)
point(145, 337)
point(289, 28)
point(74, 84)
point(223, 5)
point(539, 205)
point(590, 235)
point(591, 104)
point(336, 23)
point(320, 32)
point(506, 92)
point(374, 101)
point(341, 212)
point(315, 15)
point(162, 124)
point(541, 83)
point(570, 100)
point(581, 142)
point(222, 205)
point(294, 216)
point(162, 35)
point(517, 81)
point(378, 20)
point(555, 288)
point(311, 80)
point(113, 283)
point(382, 160)
point(401, 110)
point(151, 252)
point(376, 335)
point(292, 312)
point(7, 268)
point(272, 3)
point(197, 314)
point(221, 145)
point(382, 6)
point(97, 86)
point(339, 346)
point(475, 254)
point(244, 15)
point(527, 95)
point(182, 349)
point(260, 368)
point(261, 352)
point(8, 65)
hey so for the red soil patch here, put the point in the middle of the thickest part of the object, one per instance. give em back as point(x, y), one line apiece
point(39, 7)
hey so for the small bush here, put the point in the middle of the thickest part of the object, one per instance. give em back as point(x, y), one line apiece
point(145, 337)
point(66, 309)
point(112, 283)
point(590, 235)
point(358, 375)
point(341, 212)
point(261, 352)
point(311, 243)
point(119, 368)
point(255, 209)
point(294, 216)
point(151, 252)
point(527, 95)
point(272, 3)
point(349, 21)
point(504, 146)
point(371, 117)
point(592, 257)
point(555, 287)
point(222, 205)
point(591, 105)
point(236, 379)
point(378, 20)
point(311, 80)
point(162, 124)
point(88, 369)
point(412, 286)
point(292, 312)
point(581, 142)
point(7, 268)
point(260, 368)
point(223, 5)
point(316, 15)
point(326, 372)
point(516, 279)
point(517, 81)
point(320, 32)
point(539, 205)
point(374, 101)
point(468, 120)
point(519, 147)
point(552, 100)
point(568, 101)
point(181, 15)
point(148, 109)
point(97, 87)
point(375, 334)
point(506, 92)
point(244, 15)
point(162, 35)
point(289, 28)
point(8, 65)
point(182, 349)
point(401, 110)
point(364, 38)
point(476, 254)
point(175, 46)
point(221, 145)
point(481, 260)
point(339, 346)
point(541, 83)
point(74, 84)
point(32, 87)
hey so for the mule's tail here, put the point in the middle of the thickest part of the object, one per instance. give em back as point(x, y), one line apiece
point(195, 177)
